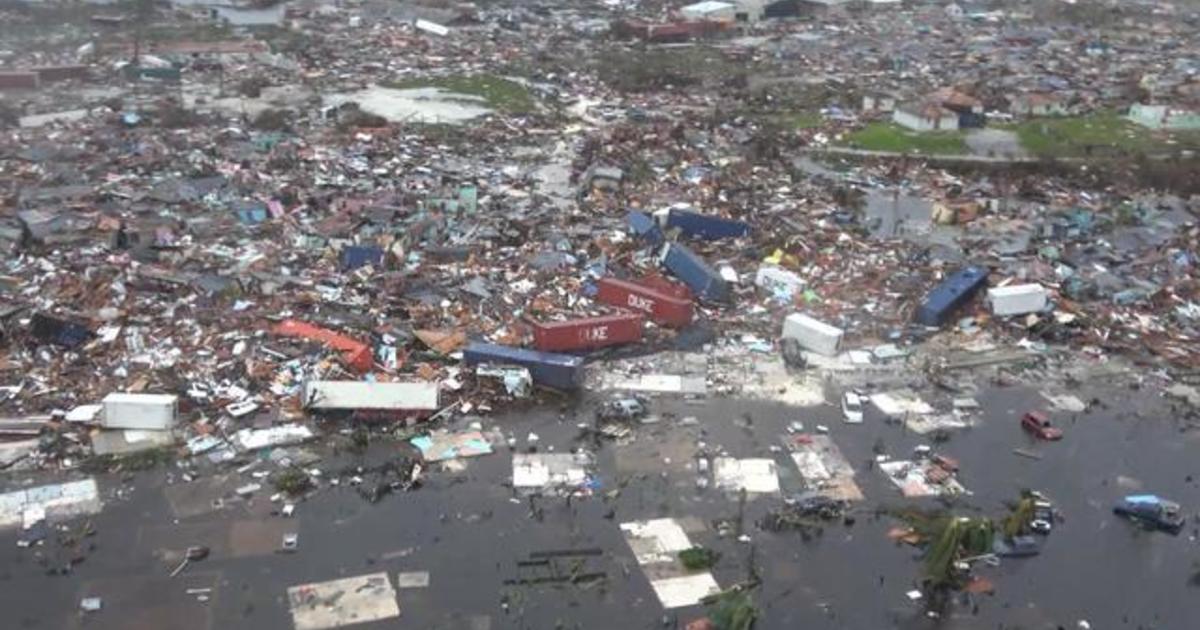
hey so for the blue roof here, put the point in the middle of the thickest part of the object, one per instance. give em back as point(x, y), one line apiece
point(1143, 498)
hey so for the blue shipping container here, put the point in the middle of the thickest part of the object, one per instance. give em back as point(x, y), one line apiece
point(703, 280)
point(705, 226)
point(560, 371)
point(354, 256)
point(642, 226)
point(951, 295)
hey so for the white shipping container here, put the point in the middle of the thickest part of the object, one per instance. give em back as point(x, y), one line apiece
point(153, 412)
point(363, 395)
point(1017, 299)
point(812, 335)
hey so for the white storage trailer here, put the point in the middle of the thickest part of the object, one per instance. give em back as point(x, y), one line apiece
point(153, 412)
point(418, 397)
point(812, 335)
point(1017, 299)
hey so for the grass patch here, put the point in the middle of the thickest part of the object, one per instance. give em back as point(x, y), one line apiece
point(733, 611)
point(129, 462)
point(501, 94)
point(636, 70)
point(698, 558)
point(1100, 133)
point(292, 481)
point(804, 120)
point(886, 136)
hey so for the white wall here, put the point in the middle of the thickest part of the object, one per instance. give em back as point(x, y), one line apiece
point(906, 119)
point(920, 123)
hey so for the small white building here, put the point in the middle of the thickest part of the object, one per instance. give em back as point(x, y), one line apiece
point(1017, 299)
point(147, 412)
point(709, 10)
point(1038, 104)
point(954, 11)
point(1164, 117)
point(925, 117)
point(749, 10)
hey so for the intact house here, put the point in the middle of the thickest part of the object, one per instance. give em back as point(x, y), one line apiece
point(1038, 104)
point(733, 11)
point(708, 10)
point(925, 117)
point(1164, 117)
point(941, 110)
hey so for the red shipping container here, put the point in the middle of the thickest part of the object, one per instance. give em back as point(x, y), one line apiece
point(47, 74)
point(19, 81)
point(666, 310)
point(587, 333)
point(356, 354)
point(666, 286)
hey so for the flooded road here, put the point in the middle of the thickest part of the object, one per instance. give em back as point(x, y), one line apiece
point(469, 530)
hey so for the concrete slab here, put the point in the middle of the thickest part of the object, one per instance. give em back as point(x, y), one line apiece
point(757, 476)
point(342, 602)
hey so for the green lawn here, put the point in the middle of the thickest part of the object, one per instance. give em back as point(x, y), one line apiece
point(804, 120)
point(501, 94)
point(1097, 134)
point(886, 136)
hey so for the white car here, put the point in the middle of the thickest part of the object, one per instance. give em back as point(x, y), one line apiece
point(852, 407)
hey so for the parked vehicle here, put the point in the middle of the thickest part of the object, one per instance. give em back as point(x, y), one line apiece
point(1043, 516)
point(622, 409)
point(1017, 547)
point(1152, 512)
point(852, 407)
point(1038, 423)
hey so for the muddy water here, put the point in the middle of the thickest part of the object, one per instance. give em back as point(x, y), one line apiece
point(469, 531)
point(423, 105)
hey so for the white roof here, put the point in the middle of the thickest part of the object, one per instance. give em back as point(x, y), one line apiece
point(367, 395)
point(1016, 289)
point(145, 399)
point(708, 6)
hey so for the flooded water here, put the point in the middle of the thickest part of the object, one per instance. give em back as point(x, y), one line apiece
point(892, 214)
point(423, 105)
point(469, 530)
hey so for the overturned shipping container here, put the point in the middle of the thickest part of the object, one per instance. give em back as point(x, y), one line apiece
point(949, 296)
point(812, 335)
point(701, 278)
point(587, 333)
point(706, 226)
point(662, 308)
point(1017, 299)
point(151, 412)
point(560, 371)
point(368, 400)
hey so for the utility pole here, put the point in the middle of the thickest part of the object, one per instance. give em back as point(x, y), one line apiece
point(144, 9)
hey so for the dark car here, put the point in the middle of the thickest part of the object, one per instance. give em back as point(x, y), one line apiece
point(1151, 511)
point(1017, 547)
point(1038, 423)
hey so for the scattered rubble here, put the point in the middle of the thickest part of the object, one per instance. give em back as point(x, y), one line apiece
point(264, 254)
